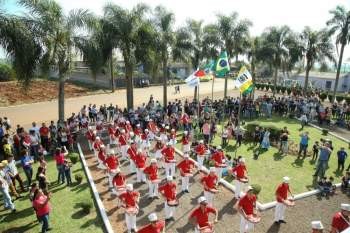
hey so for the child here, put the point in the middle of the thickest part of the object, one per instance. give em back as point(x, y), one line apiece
point(345, 181)
point(32, 190)
point(67, 166)
point(330, 185)
point(322, 186)
point(315, 149)
point(224, 137)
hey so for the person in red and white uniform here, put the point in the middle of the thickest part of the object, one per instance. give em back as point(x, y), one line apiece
point(84, 122)
point(163, 134)
point(130, 199)
point(219, 159)
point(168, 191)
point(158, 148)
point(317, 227)
point(156, 226)
point(131, 152)
point(341, 219)
point(140, 161)
point(119, 182)
point(123, 144)
point(151, 126)
point(185, 167)
point(91, 137)
point(112, 137)
point(138, 132)
point(128, 127)
point(169, 159)
point(185, 119)
point(172, 137)
point(240, 172)
point(146, 137)
point(185, 141)
point(97, 146)
point(102, 157)
point(200, 151)
point(281, 198)
point(152, 176)
point(200, 216)
point(112, 164)
point(209, 184)
point(247, 208)
point(99, 126)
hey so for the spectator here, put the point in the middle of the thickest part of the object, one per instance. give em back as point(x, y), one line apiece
point(42, 180)
point(315, 150)
point(341, 158)
point(34, 144)
point(322, 186)
point(67, 172)
point(13, 172)
point(44, 136)
point(345, 181)
point(42, 208)
point(4, 189)
point(59, 157)
point(304, 142)
point(32, 190)
point(265, 144)
point(27, 161)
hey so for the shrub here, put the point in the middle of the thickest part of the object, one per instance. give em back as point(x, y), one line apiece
point(256, 188)
point(323, 96)
point(74, 157)
point(278, 89)
point(283, 90)
point(6, 73)
point(339, 98)
point(78, 178)
point(330, 97)
point(257, 86)
point(86, 206)
point(289, 90)
point(325, 132)
point(347, 99)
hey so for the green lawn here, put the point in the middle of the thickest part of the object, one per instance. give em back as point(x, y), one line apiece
point(66, 215)
point(270, 167)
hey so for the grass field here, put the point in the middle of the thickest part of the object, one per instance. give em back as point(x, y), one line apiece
point(271, 166)
point(66, 214)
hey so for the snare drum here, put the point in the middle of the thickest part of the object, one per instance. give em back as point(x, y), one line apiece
point(132, 210)
point(173, 203)
point(243, 180)
point(213, 190)
point(171, 161)
point(206, 229)
point(223, 165)
point(254, 219)
point(289, 203)
point(188, 174)
point(156, 181)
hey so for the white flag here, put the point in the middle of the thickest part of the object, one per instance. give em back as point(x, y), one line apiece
point(192, 81)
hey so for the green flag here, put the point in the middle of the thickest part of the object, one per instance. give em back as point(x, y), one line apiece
point(222, 67)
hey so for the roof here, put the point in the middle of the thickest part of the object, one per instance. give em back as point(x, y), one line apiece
point(322, 75)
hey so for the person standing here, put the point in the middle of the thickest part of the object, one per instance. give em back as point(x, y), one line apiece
point(200, 151)
point(27, 161)
point(206, 132)
point(200, 216)
point(169, 159)
point(130, 199)
point(140, 161)
point(303, 144)
point(4, 189)
point(185, 167)
point(219, 160)
point(281, 198)
point(155, 225)
point(209, 184)
point(317, 227)
point(265, 144)
point(246, 209)
point(341, 220)
point(322, 164)
point(13, 172)
point(168, 190)
point(44, 136)
point(152, 176)
point(342, 155)
point(59, 157)
point(240, 172)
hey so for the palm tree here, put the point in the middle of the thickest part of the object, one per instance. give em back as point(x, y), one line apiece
point(316, 46)
point(55, 31)
point(125, 25)
point(340, 24)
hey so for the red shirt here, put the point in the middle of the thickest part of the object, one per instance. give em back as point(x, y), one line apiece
point(97, 145)
point(132, 153)
point(168, 190)
point(172, 135)
point(140, 160)
point(90, 135)
point(119, 180)
point(339, 223)
point(122, 140)
point(137, 131)
point(112, 162)
point(129, 198)
point(152, 172)
point(41, 210)
point(102, 156)
point(185, 140)
point(185, 119)
point(209, 181)
point(200, 149)
point(59, 158)
point(169, 154)
point(282, 192)
point(247, 204)
point(158, 228)
point(217, 157)
point(202, 217)
point(44, 131)
point(185, 166)
point(240, 170)
point(111, 130)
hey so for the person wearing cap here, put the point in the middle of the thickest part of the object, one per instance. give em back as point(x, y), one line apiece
point(155, 225)
point(138, 132)
point(111, 135)
point(172, 137)
point(111, 163)
point(169, 159)
point(240, 170)
point(158, 148)
point(200, 216)
point(131, 152)
point(140, 161)
point(200, 151)
point(118, 182)
point(162, 133)
point(97, 145)
point(146, 137)
point(130, 199)
point(341, 220)
point(152, 128)
point(91, 137)
point(246, 207)
point(209, 182)
point(123, 144)
point(102, 157)
point(152, 175)
point(13, 172)
point(317, 227)
point(4, 189)
point(185, 167)
point(185, 141)
point(168, 190)
point(281, 198)
point(322, 163)
point(218, 158)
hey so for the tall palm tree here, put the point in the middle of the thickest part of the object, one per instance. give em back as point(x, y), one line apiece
point(55, 31)
point(125, 25)
point(316, 46)
point(340, 25)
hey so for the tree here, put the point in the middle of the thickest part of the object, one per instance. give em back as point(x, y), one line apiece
point(316, 46)
point(125, 25)
point(340, 25)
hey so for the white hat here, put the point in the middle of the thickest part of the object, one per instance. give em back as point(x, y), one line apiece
point(201, 141)
point(218, 147)
point(249, 188)
point(102, 146)
point(138, 125)
point(202, 199)
point(317, 225)
point(139, 150)
point(212, 169)
point(98, 138)
point(168, 143)
point(186, 155)
point(242, 160)
point(286, 179)
point(169, 178)
point(117, 170)
point(146, 130)
point(185, 132)
point(131, 134)
point(152, 217)
point(131, 141)
point(173, 130)
point(127, 122)
point(94, 132)
point(344, 206)
point(122, 131)
point(167, 127)
point(129, 187)
point(153, 161)
point(163, 125)
point(90, 128)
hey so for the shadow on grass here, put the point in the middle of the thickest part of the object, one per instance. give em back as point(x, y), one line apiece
point(273, 228)
point(278, 156)
point(80, 187)
point(298, 163)
point(25, 228)
point(20, 214)
point(338, 173)
point(313, 185)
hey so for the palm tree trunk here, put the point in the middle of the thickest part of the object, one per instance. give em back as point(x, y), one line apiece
point(308, 68)
point(225, 90)
point(129, 86)
point(338, 71)
point(195, 92)
point(253, 78)
point(165, 83)
point(275, 81)
point(112, 72)
point(61, 99)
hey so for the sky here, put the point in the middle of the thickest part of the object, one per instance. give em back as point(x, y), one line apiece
point(263, 13)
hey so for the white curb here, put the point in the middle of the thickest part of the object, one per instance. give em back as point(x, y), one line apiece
point(98, 200)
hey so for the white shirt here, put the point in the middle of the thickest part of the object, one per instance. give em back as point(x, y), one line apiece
point(12, 167)
point(34, 140)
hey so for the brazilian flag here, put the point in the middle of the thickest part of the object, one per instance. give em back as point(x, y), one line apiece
point(222, 67)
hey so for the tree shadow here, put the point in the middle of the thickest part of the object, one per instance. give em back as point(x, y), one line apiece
point(81, 187)
point(273, 228)
point(338, 173)
point(96, 221)
point(298, 162)
point(228, 208)
point(278, 156)
point(25, 228)
point(20, 214)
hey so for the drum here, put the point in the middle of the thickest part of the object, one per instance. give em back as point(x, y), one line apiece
point(213, 190)
point(206, 229)
point(156, 181)
point(173, 203)
point(172, 161)
point(243, 180)
point(289, 203)
point(254, 218)
point(223, 165)
point(188, 174)
point(132, 210)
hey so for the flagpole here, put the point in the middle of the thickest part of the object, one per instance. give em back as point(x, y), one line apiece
point(239, 109)
point(212, 91)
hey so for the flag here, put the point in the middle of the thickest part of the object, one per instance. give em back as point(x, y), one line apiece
point(199, 73)
point(193, 79)
point(210, 66)
point(244, 81)
point(222, 67)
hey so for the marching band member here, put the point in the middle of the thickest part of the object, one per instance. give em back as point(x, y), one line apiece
point(152, 128)
point(111, 163)
point(168, 190)
point(162, 131)
point(145, 137)
point(169, 159)
point(209, 184)
point(101, 157)
point(185, 141)
point(246, 208)
point(172, 137)
point(219, 160)
point(341, 220)
point(132, 151)
point(140, 161)
point(185, 167)
point(156, 226)
point(119, 181)
point(99, 126)
point(123, 144)
point(282, 200)
point(200, 151)
point(200, 216)
point(317, 227)
point(152, 176)
point(91, 136)
point(130, 199)
point(241, 176)
point(112, 137)
point(185, 119)
point(128, 128)
point(158, 148)
point(96, 146)
point(138, 132)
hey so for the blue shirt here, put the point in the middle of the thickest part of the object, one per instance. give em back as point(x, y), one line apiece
point(25, 159)
point(1, 132)
point(342, 155)
point(304, 140)
point(324, 154)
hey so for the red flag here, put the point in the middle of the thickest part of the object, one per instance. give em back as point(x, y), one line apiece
point(199, 73)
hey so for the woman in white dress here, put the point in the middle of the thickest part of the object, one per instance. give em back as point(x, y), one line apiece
point(266, 140)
